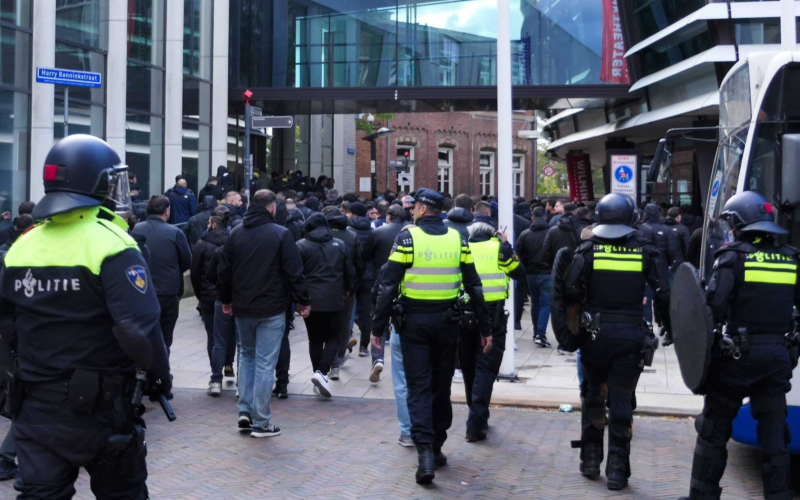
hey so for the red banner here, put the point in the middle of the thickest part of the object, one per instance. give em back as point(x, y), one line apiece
point(614, 66)
point(579, 173)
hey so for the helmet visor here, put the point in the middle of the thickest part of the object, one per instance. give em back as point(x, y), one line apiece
point(119, 190)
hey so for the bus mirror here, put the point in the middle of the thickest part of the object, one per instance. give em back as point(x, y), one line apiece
point(662, 160)
point(790, 169)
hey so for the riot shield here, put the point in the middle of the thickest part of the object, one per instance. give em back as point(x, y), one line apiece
point(692, 327)
point(565, 311)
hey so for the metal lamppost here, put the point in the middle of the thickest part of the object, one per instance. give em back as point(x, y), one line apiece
point(373, 154)
point(533, 136)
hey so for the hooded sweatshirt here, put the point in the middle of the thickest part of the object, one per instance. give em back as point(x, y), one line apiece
point(361, 226)
point(663, 238)
point(327, 268)
point(566, 233)
point(459, 219)
point(198, 224)
point(530, 247)
point(182, 205)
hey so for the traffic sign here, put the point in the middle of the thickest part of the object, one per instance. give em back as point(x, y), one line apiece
point(256, 111)
point(273, 122)
point(399, 168)
point(69, 77)
point(548, 171)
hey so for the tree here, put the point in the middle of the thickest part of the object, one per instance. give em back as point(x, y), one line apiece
point(368, 128)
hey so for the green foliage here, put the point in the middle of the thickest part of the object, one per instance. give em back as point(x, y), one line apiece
point(369, 128)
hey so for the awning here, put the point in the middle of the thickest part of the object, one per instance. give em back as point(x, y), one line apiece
point(560, 116)
point(709, 12)
point(720, 53)
point(701, 105)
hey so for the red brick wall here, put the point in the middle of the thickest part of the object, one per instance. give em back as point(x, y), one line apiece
point(466, 133)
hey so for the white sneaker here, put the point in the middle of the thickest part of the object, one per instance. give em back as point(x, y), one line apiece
point(458, 376)
point(375, 374)
point(214, 389)
point(320, 381)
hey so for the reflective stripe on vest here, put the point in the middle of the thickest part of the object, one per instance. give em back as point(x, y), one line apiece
point(486, 255)
point(767, 272)
point(436, 270)
point(612, 261)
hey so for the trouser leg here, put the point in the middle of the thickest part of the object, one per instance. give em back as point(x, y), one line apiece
point(443, 357)
point(468, 344)
point(230, 351)
point(170, 307)
point(416, 346)
point(624, 372)
point(316, 339)
point(533, 288)
point(364, 311)
point(224, 324)
point(714, 428)
point(344, 329)
point(207, 314)
point(768, 406)
point(284, 358)
point(487, 367)
point(330, 337)
point(8, 449)
point(399, 386)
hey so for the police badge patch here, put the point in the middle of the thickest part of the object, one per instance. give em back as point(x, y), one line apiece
point(137, 277)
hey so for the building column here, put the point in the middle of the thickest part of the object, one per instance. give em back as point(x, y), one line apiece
point(219, 87)
point(42, 94)
point(173, 94)
point(315, 146)
point(117, 74)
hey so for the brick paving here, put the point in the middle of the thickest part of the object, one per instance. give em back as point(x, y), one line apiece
point(345, 448)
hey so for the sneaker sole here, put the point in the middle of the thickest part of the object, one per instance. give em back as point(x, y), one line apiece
point(425, 478)
point(322, 390)
point(375, 376)
point(334, 378)
point(405, 445)
point(215, 394)
point(259, 435)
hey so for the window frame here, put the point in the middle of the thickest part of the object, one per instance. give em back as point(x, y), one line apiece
point(411, 156)
point(484, 170)
point(448, 167)
point(518, 187)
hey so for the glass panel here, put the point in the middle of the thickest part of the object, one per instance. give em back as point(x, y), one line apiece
point(196, 154)
point(16, 12)
point(146, 31)
point(653, 16)
point(83, 118)
point(14, 58)
point(79, 21)
point(197, 100)
point(197, 36)
point(757, 31)
point(144, 152)
point(13, 152)
point(675, 48)
point(71, 57)
point(145, 90)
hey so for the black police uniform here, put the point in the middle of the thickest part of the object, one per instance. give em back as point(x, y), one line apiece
point(429, 335)
point(752, 291)
point(86, 316)
point(615, 273)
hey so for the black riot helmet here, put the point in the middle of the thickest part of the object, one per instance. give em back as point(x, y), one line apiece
point(749, 211)
point(615, 214)
point(83, 171)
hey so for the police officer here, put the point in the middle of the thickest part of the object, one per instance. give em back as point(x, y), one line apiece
point(751, 291)
point(86, 318)
point(617, 264)
point(495, 262)
point(429, 263)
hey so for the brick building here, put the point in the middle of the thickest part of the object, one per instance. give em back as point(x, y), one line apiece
point(455, 153)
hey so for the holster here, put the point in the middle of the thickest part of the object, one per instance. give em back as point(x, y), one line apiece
point(398, 316)
point(122, 449)
point(793, 342)
point(84, 386)
point(650, 346)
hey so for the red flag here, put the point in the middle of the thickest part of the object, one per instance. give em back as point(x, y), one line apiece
point(614, 66)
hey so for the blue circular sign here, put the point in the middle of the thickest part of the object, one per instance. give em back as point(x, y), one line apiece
point(715, 188)
point(623, 174)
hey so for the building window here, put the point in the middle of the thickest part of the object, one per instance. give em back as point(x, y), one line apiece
point(445, 169)
point(448, 64)
point(518, 174)
point(757, 31)
point(144, 124)
point(78, 21)
point(487, 173)
point(197, 36)
point(406, 187)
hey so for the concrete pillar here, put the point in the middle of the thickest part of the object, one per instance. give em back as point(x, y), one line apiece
point(219, 106)
point(315, 146)
point(114, 27)
point(42, 94)
point(173, 93)
point(287, 141)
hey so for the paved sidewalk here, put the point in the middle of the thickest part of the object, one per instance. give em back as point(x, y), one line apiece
point(345, 448)
point(546, 379)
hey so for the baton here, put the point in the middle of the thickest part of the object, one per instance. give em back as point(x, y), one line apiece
point(162, 399)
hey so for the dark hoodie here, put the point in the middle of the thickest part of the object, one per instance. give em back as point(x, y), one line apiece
point(459, 219)
point(217, 191)
point(530, 247)
point(328, 270)
point(294, 223)
point(361, 226)
point(566, 233)
point(260, 271)
point(204, 250)
point(692, 222)
point(662, 236)
point(312, 203)
point(339, 224)
point(198, 224)
point(182, 205)
point(682, 236)
point(224, 179)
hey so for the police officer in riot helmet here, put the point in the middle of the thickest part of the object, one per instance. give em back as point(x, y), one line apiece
point(751, 293)
point(615, 343)
point(86, 318)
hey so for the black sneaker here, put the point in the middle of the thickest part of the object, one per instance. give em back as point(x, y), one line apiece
point(228, 371)
point(473, 436)
point(280, 392)
point(245, 421)
point(542, 342)
point(265, 432)
point(8, 470)
point(517, 326)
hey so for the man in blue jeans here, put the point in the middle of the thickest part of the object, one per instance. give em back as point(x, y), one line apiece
point(260, 273)
point(530, 249)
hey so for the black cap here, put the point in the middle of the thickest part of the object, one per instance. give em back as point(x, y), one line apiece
point(430, 198)
point(358, 209)
point(538, 213)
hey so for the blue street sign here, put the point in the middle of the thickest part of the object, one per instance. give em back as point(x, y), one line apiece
point(68, 77)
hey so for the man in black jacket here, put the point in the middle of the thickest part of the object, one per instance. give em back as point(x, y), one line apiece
point(689, 220)
point(198, 224)
point(205, 290)
point(361, 225)
point(461, 216)
point(212, 188)
point(530, 249)
point(330, 277)
point(170, 257)
point(664, 240)
point(264, 263)
point(682, 235)
point(564, 233)
point(339, 224)
point(26, 207)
